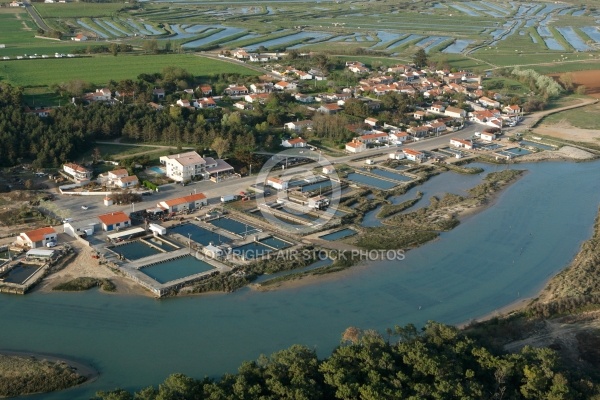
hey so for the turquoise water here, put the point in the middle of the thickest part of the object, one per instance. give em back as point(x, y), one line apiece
point(135, 250)
point(234, 226)
point(251, 250)
point(275, 242)
point(338, 235)
point(157, 170)
point(167, 271)
point(371, 181)
point(498, 256)
point(198, 234)
point(20, 273)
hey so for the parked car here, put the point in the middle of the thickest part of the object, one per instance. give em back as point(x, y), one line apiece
point(50, 244)
point(84, 207)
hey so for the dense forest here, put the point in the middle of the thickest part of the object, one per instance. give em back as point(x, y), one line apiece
point(437, 362)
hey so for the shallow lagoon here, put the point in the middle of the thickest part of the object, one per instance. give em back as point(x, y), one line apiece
point(501, 255)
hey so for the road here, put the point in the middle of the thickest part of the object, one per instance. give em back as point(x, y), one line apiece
point(35, 16)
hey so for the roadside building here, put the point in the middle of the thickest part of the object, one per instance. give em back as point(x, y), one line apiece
point(85, 227)
point(355, 146)
point(185, 203)
point(413, 155)
point(184, 167)
point(291, 143)
point(37, 237)
point(462, 143)
point(276, 183)
point(76, 172)
point(114, 221)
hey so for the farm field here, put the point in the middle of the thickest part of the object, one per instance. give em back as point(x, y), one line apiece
point(99, 70)
point(390, 27)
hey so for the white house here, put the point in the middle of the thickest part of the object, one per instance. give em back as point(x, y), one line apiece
point(487, 102)
point(399, 137)
point(191, 202)
point(79, 38)
point(37, 238)
point(283, 85)
point(371, 121)
point(328, 169)
point(455, 112)
point(277, 183)
point(396, 155)
point(377, 137)
point(355, 146)
point(184, 167)
point(488, 136)
point(297, 142)
point(413, 155)
point(298, 126)
point(103, 94)
point(79, 228)
point(304, 98)
point(77, 172)
point(462, 143)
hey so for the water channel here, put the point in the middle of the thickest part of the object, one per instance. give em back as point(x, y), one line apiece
point(498, 256)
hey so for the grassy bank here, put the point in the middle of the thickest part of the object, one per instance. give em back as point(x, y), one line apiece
point(25, 375)
point(85, 283)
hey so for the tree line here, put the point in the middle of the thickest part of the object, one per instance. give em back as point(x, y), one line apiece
point(437, 362)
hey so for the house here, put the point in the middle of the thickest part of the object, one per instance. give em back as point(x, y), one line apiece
point(378, 137)
point(114, 221)
point(37, 238)
point(512, 109)
point(79, 38)
point(462, 143)
point(242, 105)
point(259, 97)
point(184, 167)
point(399, 137)
point(283, 85)
point(76, 172)
point(241, 54)
point(155, 106)
point(185, 203)
point(205, 89)
point(413, 155)
point(276, 183)
point(40, 112)
point(487, 102)
point(437, 108)
point(183, 103)
point(371, 121)
point(265, 87)
point(85, 227)
point(206, 102)
point(330, 108)
point(297, 142)
point(396, 155)
point(358, 69)
point(304, 76)
point(304, 98)
point(254, 57)
point(437, 127)
point(488, 136)
point(158, 93)
point(127, 181)
point(455, 112)
point(298, 126)
point(419, 131)
point(419, 115)
point(355, 146)
point(328, 169)
point(103, 94)
point(236, 90)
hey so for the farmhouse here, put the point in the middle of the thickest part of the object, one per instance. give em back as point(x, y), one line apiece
point(79, 38)
point(185, 203)
point(114, 221)
point(37, 238)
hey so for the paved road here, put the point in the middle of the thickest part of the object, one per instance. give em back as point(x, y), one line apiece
point(36, 17)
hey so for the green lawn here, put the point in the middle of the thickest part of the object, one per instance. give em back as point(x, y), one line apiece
point(77, 10)
point(101, 69)
point(584, 117)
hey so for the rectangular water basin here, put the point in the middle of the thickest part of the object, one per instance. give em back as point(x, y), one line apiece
point(518, 151)
point(251, 251)
point(177, 268)
point(370, 181)
point(344, 233)
point(135, 250)
point(199, 235)
point(162, 243)
point(275, 243)
point(234, 226)
point(390, 175)
point(536, 145)
point(20, 273)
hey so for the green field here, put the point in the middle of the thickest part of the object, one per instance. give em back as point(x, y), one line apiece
point(78, 10)
point(584, 118)
point(100, 70)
